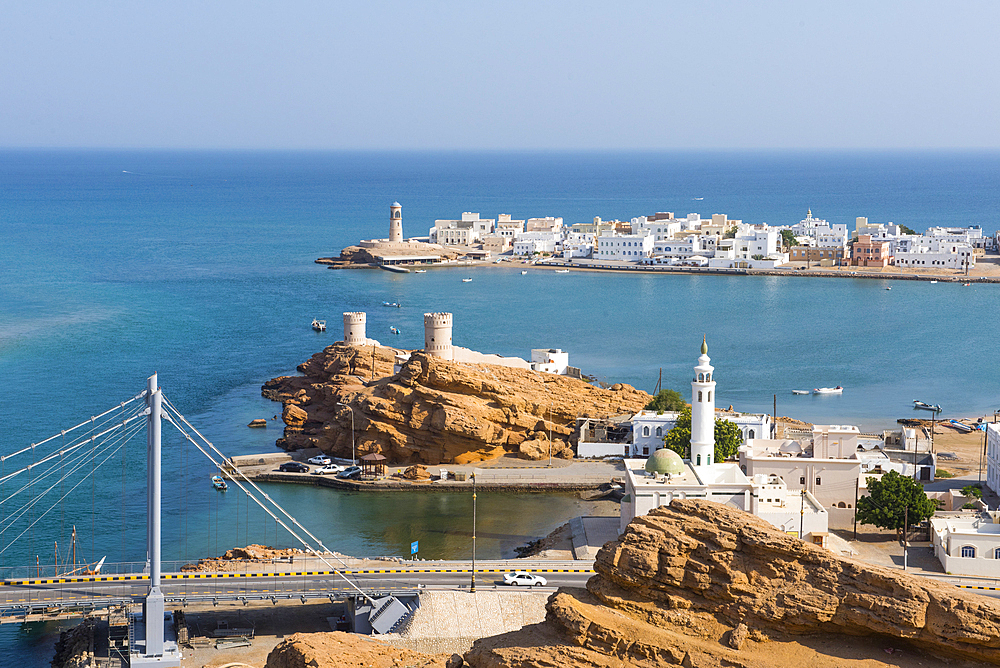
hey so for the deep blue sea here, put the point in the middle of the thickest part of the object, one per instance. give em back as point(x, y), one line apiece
point(199, 266)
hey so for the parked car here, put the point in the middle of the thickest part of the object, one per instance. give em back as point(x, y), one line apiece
point(320, 460)
point(523, 579)
point(293, 467)
point(329, 468)
point(350, 472)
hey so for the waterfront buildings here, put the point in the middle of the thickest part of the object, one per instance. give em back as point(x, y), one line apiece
point(968, 544)
point(993, 457)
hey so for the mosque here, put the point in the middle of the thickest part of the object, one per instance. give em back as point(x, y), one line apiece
point(664, 476)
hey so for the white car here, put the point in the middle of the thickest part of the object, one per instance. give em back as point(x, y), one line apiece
point(328, 469)
point(319, 460)
point(523, 579)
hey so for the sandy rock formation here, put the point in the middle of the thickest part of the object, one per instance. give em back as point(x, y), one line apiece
point(699, 584)
point(343, 650)
point(435, 411)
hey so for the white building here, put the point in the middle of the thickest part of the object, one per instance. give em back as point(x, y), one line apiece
point(935, 253)
point(664, 476)
point(993, 457)
point(968, 545)
point(465, 232)
point(535, 242)
point(547, 224)
point(550, 360)
point(576, 244)
point(648, 431)
point(624, 247)
point(508, 228)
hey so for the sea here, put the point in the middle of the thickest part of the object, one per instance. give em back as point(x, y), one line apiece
point(199, 266)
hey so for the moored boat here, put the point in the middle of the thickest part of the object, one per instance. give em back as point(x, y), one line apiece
point(959, 426)
point(219, 484)
point(524, 271)
point(562, 271)
point(319, 325)
point(828, 390)
point(466, 280)
point(800, 392)
point(927, 407)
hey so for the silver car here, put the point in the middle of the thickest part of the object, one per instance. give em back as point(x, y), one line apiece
point(523, 579)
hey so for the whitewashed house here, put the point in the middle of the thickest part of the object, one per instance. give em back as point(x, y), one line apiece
point(624, 247)
point(968, 545)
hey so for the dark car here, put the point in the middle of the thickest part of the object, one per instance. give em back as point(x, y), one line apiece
point(350, 472)
point(293, 467)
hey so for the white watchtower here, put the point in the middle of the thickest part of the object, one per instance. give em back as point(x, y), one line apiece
point(437, 335)
point(395, 222)
point(703, 410)
point(354, 328)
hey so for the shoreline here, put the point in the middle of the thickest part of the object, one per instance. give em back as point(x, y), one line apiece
point(610, 266)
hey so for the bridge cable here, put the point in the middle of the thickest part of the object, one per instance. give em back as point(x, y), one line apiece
point(168, 415)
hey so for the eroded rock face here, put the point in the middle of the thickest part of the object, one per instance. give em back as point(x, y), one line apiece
point(700, 584)
point(435, 411)
point(344, 650)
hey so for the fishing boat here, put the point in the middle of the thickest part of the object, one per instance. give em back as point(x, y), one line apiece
point(420, 271)
point(562, 271)
point(466, 280)
point(888, 287)
point(394, 330)
point(392, 304)
point(828, 390)
point(932, 282)
point(926, 407)
point(801, 392)
point(319, 325)
point(965, 285)
point(219, 484)
point(959, 426)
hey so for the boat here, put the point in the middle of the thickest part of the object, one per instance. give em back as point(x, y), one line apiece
point(420, 271)
point(525, 271)
point(925, 406)
point(932, 282)
point(392, 304)
point(466, 280)
point(562, 271)
point(801, 392)
point(828, 390)
point(319, 325)
point(394, 269)
point(394, 330)
point(219, 484)
point(888, 287)
point(959, 426)
point(965, 285)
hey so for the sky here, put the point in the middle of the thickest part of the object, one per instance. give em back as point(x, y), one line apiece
point(386, 75)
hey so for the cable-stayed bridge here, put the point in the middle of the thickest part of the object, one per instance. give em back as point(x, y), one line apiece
point(42, 483)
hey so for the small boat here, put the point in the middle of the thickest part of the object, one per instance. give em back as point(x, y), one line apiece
point(828, 390)
point(926, 407)
point(394, 330)
point(888, 287)
point(219, 484)
point(466, 280)
point(801, 392)
point(965, 285)
point(932, 282)
point(392, 304)
point(562, 271)
point(524, 271)
point(319, 325)
point(959, 426)
point(420, 271)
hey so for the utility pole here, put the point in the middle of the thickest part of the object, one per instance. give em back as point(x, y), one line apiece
point(472, 588)
point(906, 521)
point(802, 514)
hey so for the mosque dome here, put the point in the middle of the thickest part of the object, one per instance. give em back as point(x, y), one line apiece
point(663, 461)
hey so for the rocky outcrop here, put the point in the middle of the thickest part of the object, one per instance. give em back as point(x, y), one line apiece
point(336, 649)
point(435, 411)
point(700, 584)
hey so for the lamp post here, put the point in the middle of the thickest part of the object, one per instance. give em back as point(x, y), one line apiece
point(472, 587)
point(354, 461)
point(550, 433)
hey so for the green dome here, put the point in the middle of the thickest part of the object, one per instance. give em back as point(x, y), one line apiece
point(663, 461)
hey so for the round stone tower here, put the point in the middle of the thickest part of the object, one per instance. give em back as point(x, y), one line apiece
point(703, 410)
point(437, 335)
point(395, 222)
point(354, 329)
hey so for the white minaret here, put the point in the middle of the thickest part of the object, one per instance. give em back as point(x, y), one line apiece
point(354, 329)
point(703, 410)
point(437, 335)
point(396, 222)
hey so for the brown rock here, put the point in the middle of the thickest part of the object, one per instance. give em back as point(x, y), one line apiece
point(434, 411)
point(343, 650)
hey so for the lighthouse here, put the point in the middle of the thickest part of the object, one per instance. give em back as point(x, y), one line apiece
point(703, 410)
point(395, 222)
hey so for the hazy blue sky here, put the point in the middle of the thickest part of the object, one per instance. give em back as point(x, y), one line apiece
point(484, 75)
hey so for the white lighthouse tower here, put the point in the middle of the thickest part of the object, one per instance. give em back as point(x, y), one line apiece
point(395, 222)
point(703, 410)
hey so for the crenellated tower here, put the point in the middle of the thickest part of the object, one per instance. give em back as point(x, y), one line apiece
point(437, 335)
point(354, 328)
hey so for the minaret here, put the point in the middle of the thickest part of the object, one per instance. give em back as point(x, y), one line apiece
point(395, 222)
point(703, 410)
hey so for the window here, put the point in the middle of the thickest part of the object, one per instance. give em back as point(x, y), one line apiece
point(645, 431)
point(750, 434)
point(968, 552)
point(710, 395)
point(699, 396)
point(708, 460)
point(699, 461)
point(645, 451)
point(818, 481)
point(996, 553)
point(659, 431)
point(701, 377)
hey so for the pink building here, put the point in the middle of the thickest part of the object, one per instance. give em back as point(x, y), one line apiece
point(870, 253)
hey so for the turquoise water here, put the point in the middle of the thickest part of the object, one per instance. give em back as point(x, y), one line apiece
point(199, 266)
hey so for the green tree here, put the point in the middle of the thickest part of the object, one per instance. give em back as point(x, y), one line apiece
point(906, 230)
point(887, 501)
point(667, 400)
point(788, 239)
point(728, 437)
point(730, 232)
point(972, 491)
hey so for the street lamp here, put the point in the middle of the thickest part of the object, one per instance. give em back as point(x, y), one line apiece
point(353, 460)
point(550, 433)
point(472, 588)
